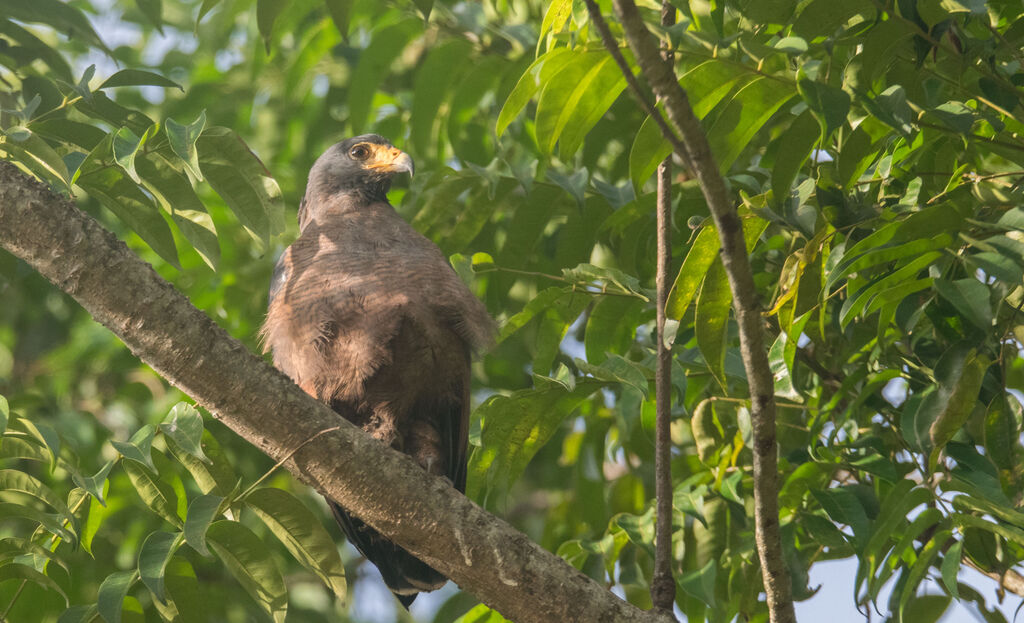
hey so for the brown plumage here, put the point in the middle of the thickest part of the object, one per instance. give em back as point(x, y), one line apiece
point(368, 316)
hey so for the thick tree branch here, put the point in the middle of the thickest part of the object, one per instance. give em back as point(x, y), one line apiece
point(697, 153)
point(421, 512)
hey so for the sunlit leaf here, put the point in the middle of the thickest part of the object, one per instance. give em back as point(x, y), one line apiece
point(246, 556)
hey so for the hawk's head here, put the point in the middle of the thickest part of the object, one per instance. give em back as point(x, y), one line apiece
point(361, 165)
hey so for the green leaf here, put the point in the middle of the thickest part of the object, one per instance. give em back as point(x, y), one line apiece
point(5, 414)
point(829, 104)
point(139, 447)
point(53, 523)
point(891, 108)
point(844, 507)
point(798, 141)
point(241, 179)
point(184, 425)
point(711, 322)
point(182, 139)
point(962, 391)
point(537, 74)
point(823, 17)
point(153, 10)
point(14, 480)
point(18, 571)
point(611, 327)
point(951, 568)
point(138, 77)
point(32, 151)
point(970, 297)
point(79, 614)
point(216, 475)
point(746, 114)
point(341, 11)
point(157, 494)
point(112, 593)
point(374, 64)
point(126, 146)
point(123, 197)
point(63, 17)
point(301, 533)
point(267, 12)
point(698, 261)
point(582, 82)
point(95, 484)
point(514, 428)
point(248, 559)
point(434, 78)
point(593, 102)
point(201, 513)
point(617, 369)
point(176, 196)
point(154, 555)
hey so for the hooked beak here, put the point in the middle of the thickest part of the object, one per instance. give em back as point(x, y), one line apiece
point(391, 160)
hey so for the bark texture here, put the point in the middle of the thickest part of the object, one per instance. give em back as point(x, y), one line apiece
point(695, 151)
point(420, 512)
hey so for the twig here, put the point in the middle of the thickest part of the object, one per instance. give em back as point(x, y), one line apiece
point(663, 586)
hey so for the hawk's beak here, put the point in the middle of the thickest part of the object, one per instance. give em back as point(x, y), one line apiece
point(403, 163)
point(392, 160)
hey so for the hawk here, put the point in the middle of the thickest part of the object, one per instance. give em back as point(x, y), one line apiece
point(368, 316)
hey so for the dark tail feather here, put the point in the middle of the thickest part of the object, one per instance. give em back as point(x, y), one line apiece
point(404, 574)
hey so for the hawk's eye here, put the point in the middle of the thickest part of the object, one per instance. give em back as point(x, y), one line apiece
point(359, 152)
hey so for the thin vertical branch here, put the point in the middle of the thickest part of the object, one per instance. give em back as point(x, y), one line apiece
point(696, 153)
point(663, 585)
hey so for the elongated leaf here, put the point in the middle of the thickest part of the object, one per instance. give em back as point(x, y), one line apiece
point(5, 414)
point(970, 297)
point(32, 151)
point(18, 571)
point(712, 319)
point(53, 523)
point(535, 75)
point(14, 480)
point(514, 428)
point(62, 17)
point(597, 97)
point(95, 484)
point(240, 178)
point(217, 475)
point(138, 77)
point(746, 114)
point(154, 555)
point(139, 447)
point(126, 146)
point(184, 425)
point(617, 369)
point(158, 495)
point(182, 139)
point(434, 78)
point(341, 11)
point(267, 12)
point(374, 64)
point(611, 327)
point(829, 104)
point(698, 260)
point(302, 533)
point(79, 614)
point(843, 506)
point(561, 92)
point(249, 561)
point(112, 592)
point(121, 196)
point(963, 396)
point(176, 196)
point(798, 140)
point(201, 513)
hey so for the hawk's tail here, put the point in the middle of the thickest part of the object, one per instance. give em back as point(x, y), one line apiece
point(405, 575)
